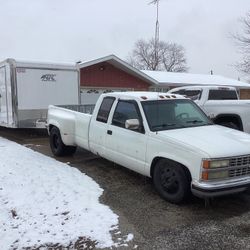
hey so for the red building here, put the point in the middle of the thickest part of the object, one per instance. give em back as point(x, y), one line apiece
point(109, 74)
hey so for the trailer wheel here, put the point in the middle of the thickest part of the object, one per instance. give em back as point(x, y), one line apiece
point(171, 181)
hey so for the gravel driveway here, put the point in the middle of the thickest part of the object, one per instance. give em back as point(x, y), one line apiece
point(155, 223)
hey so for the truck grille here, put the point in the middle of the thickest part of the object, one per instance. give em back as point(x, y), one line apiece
point(241, 166)
point(239, 161)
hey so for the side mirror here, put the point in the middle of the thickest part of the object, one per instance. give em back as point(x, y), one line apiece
point(132, 124)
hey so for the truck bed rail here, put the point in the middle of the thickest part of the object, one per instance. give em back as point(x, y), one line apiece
point(87, 108)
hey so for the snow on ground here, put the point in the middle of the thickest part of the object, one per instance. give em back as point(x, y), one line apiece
point(43, 201)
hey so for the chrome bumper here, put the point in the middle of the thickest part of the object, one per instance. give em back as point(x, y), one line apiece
point(211, 189)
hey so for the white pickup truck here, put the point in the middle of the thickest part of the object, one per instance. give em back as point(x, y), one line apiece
point(163, 136)
point(221, 104)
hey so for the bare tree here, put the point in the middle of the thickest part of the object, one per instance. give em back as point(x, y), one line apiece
point(165, 56)
point(243, 43)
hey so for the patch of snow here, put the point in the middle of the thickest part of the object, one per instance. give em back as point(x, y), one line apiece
point(129, 237)
point(172, 78)
point(28, 145)
point(43, 201)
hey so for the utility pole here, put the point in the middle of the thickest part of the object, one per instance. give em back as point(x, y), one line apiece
point(157, 29)
point(157, 25)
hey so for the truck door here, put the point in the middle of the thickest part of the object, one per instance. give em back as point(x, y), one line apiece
point(124, 146)
point(3, 97)
point(98, 127)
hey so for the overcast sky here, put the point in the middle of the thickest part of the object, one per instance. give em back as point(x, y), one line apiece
point(73, 30)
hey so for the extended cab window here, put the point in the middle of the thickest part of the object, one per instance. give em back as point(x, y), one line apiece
point(125, 110)
point(105, 108)
point(222, 94)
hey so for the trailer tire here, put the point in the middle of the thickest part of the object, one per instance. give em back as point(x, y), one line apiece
point(57, 146)
point(171, 181)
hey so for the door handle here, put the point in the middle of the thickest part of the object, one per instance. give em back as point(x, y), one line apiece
point(109, 132)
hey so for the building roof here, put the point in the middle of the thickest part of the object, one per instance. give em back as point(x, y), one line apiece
point(120, 64)
point(164, 78)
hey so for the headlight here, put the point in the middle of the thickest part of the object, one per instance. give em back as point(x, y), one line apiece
point(214, 175)
point(211, 169)
point(215, 164)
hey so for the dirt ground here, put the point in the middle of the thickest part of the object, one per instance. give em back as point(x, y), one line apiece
point(155, 223)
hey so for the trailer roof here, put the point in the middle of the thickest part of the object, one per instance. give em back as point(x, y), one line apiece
point(34, 64)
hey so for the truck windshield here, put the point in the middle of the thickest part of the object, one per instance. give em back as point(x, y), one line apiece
point(173, 114)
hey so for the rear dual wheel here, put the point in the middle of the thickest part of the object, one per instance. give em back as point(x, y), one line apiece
point(171, 181)
point(57, 146)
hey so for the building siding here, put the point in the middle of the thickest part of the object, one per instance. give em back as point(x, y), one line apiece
point(244, 93)
point(105, 75)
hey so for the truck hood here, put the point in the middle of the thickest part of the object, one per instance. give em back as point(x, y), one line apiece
point(215, 141)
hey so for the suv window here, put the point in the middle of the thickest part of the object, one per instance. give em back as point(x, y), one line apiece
point(105, 108)
point(191, 94)
point(222, 94)
point(125, 110)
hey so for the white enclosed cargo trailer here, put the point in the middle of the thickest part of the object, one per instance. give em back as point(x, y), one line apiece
point(28, 88)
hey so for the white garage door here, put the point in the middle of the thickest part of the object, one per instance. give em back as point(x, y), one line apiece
point(90, 96)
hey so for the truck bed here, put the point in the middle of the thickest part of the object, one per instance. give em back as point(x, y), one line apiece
point(73, 122)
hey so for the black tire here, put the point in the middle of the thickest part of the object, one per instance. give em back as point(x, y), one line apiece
point(229, 125)
point(57, 146)
point(70, 150)
point(171, 181)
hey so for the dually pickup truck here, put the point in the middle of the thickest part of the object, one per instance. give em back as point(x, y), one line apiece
point(221, 104)
point(163, 136)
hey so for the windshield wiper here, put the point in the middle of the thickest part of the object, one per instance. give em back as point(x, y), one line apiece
point(164, 125)
point(200, 121)
point(194, 121)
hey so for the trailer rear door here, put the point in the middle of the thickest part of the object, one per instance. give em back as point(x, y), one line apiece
point(3, 97)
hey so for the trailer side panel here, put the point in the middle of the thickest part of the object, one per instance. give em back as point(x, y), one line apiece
point(37, 88)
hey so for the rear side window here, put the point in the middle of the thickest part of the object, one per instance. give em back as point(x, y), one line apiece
point(103, 113)
point(221, 94)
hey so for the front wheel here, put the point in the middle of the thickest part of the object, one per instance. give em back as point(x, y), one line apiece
point(171, 181)
point(57, 146)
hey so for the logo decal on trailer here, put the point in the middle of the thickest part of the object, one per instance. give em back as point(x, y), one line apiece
point(20, 70)
point(48, 78)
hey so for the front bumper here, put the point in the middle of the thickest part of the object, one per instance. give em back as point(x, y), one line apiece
point(211, 188)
